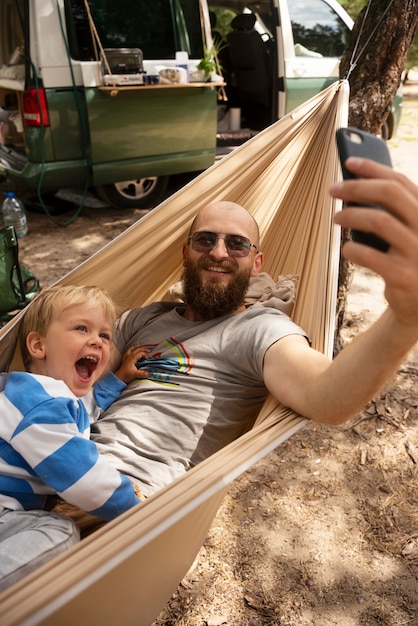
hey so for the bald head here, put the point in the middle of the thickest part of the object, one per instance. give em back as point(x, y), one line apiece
point(229, 218)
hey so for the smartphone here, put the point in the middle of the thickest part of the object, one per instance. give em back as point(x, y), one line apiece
point(354, 142)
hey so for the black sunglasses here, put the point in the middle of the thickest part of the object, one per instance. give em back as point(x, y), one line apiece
point(205, 241)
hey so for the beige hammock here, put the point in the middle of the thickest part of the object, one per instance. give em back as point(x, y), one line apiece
point(125, 572)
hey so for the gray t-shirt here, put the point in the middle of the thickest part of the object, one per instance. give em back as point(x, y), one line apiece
point(205, 387)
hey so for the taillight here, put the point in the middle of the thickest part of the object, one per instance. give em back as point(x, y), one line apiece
point(35, 109)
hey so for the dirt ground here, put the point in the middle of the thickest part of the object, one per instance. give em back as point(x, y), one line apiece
point(324, 530)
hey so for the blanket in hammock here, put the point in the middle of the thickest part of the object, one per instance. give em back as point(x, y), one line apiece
point(126, 572)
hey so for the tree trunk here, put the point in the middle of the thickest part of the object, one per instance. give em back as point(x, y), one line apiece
point(380, 49)
point(383, 47)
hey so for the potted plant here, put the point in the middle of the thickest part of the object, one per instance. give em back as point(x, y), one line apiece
point(207, 64)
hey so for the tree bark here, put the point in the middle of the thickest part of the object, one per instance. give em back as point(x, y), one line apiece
point(383, 40)
point(380, 41)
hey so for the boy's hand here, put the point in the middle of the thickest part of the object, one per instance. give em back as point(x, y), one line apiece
point(128, 370)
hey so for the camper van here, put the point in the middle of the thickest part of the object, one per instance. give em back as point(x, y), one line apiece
point(109, 95)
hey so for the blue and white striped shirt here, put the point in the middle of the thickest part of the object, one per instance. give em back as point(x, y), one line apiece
point(45, 446)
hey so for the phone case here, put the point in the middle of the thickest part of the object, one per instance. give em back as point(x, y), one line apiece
point(355, 142)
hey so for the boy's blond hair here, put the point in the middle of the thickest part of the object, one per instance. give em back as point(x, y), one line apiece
point(53, 300)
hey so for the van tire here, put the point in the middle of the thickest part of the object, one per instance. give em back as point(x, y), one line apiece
point(142, 193)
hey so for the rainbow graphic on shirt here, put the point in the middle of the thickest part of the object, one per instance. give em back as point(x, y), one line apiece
point(161, 368)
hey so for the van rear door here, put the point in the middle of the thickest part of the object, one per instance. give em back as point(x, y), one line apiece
point(142, 130)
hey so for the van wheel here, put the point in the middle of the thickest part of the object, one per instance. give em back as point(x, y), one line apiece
point(142, 193)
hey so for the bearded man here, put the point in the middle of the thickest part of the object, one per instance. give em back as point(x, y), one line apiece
point(212, 361)
point(202, 384)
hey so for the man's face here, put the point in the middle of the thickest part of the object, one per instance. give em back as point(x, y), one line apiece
point(215, 281)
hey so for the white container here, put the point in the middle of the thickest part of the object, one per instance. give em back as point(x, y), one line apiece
point(182, 60)
point(234, 118)
point(16, 118)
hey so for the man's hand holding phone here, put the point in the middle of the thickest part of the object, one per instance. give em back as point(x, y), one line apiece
point(352, 142)
point(376, 184)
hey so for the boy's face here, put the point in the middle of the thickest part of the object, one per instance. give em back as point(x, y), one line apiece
point(75, 349)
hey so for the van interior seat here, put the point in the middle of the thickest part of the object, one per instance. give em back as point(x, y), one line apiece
point(251, 63)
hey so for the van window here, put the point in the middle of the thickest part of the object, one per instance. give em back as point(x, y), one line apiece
point(317, 29)
point(11, 33)
point(158, 28)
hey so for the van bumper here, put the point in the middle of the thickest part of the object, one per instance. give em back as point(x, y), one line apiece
point(46, 176)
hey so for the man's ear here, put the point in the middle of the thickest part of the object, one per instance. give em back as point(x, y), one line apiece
point(35, 345)
point(258, 264)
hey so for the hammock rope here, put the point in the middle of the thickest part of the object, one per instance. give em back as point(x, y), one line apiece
point(354, 59)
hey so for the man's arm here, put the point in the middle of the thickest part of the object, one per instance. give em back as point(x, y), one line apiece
point(329, 392)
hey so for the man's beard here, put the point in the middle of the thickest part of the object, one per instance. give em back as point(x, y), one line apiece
point(211, 299)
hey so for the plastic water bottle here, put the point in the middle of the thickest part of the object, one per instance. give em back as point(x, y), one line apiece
point(14, 214)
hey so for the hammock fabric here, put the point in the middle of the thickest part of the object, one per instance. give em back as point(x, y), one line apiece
point(125, 572)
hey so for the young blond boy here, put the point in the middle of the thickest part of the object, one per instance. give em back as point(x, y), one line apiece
point(45, 446)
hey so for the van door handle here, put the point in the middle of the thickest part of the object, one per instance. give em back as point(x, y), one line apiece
point(299, 70)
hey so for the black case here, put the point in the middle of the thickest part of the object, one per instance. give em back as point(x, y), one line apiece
point(123, 60)
point(358, 143)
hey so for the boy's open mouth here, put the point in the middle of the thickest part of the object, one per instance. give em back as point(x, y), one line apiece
point(86, 366)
